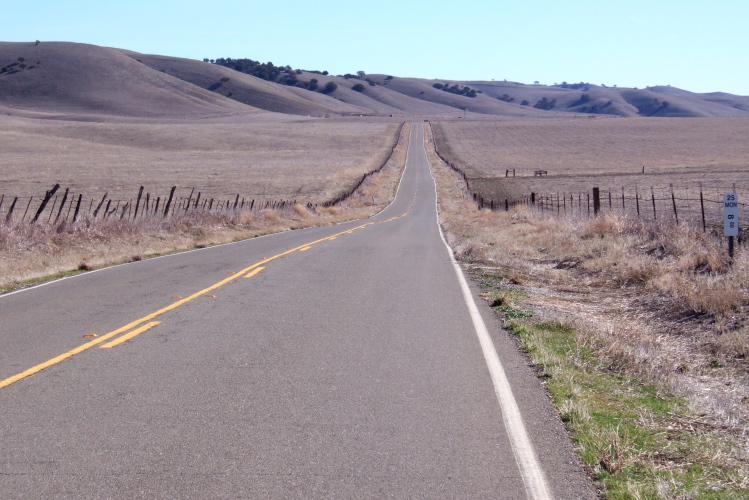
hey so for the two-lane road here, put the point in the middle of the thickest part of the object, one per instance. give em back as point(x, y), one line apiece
point(334, 362)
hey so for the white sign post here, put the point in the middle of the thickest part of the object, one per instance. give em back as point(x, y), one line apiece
point(730, 219)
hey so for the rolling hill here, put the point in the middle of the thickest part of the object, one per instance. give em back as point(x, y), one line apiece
point(55, 79)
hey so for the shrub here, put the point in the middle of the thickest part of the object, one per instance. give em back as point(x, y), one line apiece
point(545, 104)
point(313, 85)
point(524, 103)
point(329, 88)
point(358, 87)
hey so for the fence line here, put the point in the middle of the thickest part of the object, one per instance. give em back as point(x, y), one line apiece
point(678, 204)
point(71, 206)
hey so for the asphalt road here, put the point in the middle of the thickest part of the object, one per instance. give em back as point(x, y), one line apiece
point(335, 362)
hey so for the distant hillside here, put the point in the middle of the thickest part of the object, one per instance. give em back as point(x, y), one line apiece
point(86, 79)
point(70, 78)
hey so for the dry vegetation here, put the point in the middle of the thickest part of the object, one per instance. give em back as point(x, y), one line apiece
point(268, 157)
point(30, 252)
point(582, 153)
point(658, 303)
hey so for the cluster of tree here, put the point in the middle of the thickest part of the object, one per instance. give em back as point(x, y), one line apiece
point(21, 64)
point(575, 86)
point(653, 107)
point(596, 108)
point(284, 75)
point(457, 89)
point(545, 104)
point(584, 98)
point(506, 98)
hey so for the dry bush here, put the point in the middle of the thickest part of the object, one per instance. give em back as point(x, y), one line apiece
point(245, 218)
point(271, 215)
point(301, 211)
point(734, 344)
point(608, 224)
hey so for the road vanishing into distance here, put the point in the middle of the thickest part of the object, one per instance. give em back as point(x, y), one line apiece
point(348, 361)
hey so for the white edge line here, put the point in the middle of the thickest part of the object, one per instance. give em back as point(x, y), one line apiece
point(222, 244)
point(534, 479)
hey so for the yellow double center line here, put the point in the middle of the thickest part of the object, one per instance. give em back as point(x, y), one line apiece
point(246, 272)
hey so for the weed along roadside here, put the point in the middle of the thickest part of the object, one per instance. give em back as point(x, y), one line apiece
point(638, 332)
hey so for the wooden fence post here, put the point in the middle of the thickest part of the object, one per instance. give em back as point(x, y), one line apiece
point(189, 199)
point(168, 203)
point(623, 209)
point(637, 202)
point(588, 204)
point(70, 207)
point(98, 207)
point(77, 207)
point(62, 204)
point(46, 199)
point(596, 202)
point(652, 192)
point(702, 209)
point(137, 202)
point(673, 200)
point(10, 212)
point(52, 210)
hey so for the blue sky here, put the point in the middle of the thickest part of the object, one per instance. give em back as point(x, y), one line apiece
point(696, 45)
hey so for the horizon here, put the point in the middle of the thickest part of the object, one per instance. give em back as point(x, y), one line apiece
point(693, 47)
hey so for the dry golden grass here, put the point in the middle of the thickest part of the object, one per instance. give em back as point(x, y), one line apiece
point(658, 302)
point(261, 157)
point(608, 153)
point(29, 252)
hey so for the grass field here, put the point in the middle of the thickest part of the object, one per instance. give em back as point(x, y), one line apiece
point(273, 157)
point(608, 153)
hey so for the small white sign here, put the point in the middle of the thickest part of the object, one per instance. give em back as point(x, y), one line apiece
point(731, 214)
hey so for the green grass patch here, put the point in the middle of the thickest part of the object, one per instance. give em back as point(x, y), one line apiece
point(502, 295)
point(637, 443)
